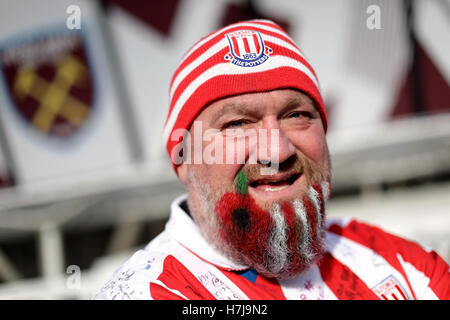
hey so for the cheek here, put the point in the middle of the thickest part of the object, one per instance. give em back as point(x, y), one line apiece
point(217, 176)
point(221, 159)
point(311, 143)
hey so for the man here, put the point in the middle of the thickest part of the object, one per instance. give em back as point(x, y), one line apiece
point(246, 135)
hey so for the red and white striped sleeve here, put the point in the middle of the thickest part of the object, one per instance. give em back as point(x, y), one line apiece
point(176, 282)
point(426, 273)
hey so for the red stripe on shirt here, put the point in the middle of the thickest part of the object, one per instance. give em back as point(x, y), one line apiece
point(160, 293)
point(342, 281)
point(429, 263)
point(262, 289)
point(177, 277)
point(375, 239)
point(388, 246)
point(401, 292)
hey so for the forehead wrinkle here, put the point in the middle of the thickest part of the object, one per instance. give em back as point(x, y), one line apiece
point(239, 108)
point(299, 101)
point(250, 108)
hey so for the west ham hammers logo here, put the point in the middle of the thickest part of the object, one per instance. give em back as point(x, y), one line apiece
point(50, 82)
point(247, 48)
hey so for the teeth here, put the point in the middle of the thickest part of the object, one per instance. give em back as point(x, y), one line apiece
point(290, 180)
point(275, 188)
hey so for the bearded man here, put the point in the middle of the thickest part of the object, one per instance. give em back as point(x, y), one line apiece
point(246, 135)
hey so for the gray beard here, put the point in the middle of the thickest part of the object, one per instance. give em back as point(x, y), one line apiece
point(308, 246)
point(280, 261)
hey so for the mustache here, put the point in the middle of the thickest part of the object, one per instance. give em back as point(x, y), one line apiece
point(296, 165)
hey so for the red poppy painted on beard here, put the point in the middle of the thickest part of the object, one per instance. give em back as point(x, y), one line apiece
point(245, 226)
point(257, 237)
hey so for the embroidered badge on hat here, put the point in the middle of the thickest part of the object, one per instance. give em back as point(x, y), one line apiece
point(247, 48)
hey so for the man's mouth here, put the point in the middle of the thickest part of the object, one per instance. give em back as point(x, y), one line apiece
point(275, 183)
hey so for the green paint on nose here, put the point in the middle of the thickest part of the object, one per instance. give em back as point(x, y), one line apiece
point(242, 183)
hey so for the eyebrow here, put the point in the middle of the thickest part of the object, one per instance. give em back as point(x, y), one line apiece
point(248, 109)
point(294, 103)
point(236, 108)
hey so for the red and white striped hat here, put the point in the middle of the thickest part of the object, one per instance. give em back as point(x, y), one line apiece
point(245, 57)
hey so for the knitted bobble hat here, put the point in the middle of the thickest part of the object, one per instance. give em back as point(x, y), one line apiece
point(245, 57)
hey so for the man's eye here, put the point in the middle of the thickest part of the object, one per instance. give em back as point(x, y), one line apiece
point(234, 124)
point(300, 114)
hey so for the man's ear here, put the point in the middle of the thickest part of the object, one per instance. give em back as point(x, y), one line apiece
point(182, 172)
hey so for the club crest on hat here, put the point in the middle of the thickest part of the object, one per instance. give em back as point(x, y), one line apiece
point(247, 48)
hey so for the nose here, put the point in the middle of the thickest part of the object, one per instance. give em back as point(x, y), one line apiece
point(274, 146)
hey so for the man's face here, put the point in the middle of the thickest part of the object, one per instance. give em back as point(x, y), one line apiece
point(265, 210)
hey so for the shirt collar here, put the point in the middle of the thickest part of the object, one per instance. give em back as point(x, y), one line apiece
point(183, 228)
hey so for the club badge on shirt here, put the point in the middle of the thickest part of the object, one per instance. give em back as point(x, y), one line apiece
point(390, 289)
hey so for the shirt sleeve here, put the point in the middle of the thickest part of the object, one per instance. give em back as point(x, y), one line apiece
point(427, 272)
